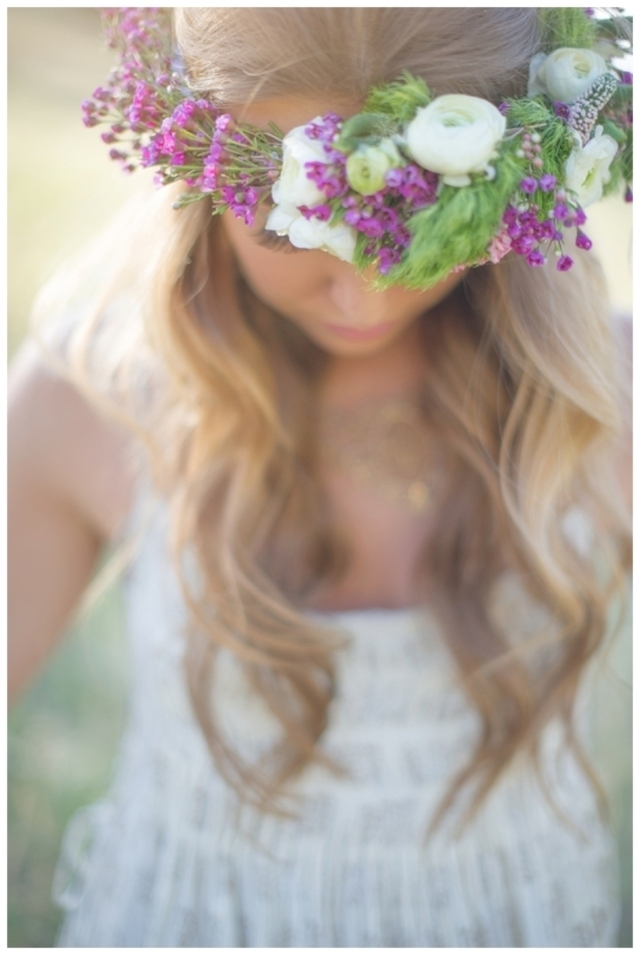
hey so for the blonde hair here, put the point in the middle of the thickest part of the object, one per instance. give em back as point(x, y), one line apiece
point(521, 394)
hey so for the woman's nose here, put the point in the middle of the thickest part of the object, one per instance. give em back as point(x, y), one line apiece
point(352, 296)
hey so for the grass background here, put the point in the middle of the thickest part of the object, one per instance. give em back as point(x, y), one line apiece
point(64, 731)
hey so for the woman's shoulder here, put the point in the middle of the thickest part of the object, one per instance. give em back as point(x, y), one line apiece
point(61, 445)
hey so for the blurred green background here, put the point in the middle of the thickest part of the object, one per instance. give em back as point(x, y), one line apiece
point(62, 188)
point(63, 732)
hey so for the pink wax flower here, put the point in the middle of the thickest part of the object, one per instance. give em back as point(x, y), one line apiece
point(499, 246)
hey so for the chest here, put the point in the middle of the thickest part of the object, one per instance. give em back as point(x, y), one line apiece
point(384, 535)
point(379, 470)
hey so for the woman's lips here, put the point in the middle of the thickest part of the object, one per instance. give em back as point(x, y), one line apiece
point(360, 334)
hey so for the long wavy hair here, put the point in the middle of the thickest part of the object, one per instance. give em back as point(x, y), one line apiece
point(521, 395)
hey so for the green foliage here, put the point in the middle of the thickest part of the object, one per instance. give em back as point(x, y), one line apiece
point(626, 157)
point(275, 131)
point(615, 28)
point(528, 112)
point(621, 170)
point(556, 146)
point(458, 228)
point(361, 261)
point(365, 128)
point(399, 99)
point(614, 131)
point(622, 98)
point(62, 738)
point(566, 26)
point(556, 140)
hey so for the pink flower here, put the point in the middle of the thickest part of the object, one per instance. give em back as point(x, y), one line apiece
point(583, 241)
point(499, 246)
point(564, 263)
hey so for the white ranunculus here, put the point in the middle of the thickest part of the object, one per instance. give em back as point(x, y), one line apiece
point(587, 168)
point(339, 239)
point(368, 165)
point(280, 218)
point(293, 188)
point(565, 74)
point(455, 135)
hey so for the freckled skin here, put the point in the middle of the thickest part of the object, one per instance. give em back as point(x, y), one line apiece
point(313, 288)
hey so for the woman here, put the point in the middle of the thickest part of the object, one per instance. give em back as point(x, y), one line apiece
point(362, 604)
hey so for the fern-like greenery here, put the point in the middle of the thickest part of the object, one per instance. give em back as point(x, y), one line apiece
point(399, 99)
point(459, 227)
point(567, 26)
point(621, 170)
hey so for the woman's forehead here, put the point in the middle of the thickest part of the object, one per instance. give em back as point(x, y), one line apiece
point(294, 110)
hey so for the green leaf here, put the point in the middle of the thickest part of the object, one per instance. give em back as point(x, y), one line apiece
point(614, 131)
point(615, 28)
point(622, 97)
point(626, 157)
point(368, 128)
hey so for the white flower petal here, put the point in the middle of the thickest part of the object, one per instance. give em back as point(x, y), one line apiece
point(534, 65)
point(294, 188)
point(457, 181)
point(280, 218)
point(455, 135)
point(339, 240)
point(565, 74)
point(587, 168)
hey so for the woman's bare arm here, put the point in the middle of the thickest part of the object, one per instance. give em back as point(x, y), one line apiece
point(69, 488)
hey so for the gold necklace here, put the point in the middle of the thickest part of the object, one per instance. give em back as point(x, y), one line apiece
point(386, 444)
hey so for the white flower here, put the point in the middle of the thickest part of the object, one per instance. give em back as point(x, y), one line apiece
point(339, 239)
point(293, 188)
point(565, 74)
point(368, 165)
point(587, 168)
point(455, 135)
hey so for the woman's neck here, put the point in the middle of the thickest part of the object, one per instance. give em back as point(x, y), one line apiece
point(401, 367)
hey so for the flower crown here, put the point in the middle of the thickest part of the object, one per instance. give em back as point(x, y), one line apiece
point(416, 185)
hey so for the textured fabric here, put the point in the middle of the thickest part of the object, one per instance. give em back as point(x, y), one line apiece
point(166, 859)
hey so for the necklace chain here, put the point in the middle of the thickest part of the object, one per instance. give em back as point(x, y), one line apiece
point(385, 444)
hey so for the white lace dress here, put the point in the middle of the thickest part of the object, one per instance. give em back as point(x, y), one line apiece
point(164, 860)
